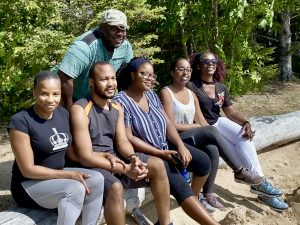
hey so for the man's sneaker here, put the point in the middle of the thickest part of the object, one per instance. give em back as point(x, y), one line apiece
point(205, 204)
point(265, 188)
point(245, 176)
point(274, 202)
point(213, 201)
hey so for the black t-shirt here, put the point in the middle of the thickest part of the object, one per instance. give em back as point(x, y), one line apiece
point(49, 140)
point(211, 107)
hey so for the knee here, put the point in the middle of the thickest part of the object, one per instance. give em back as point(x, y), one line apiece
point(213, 130)
point(116, 192)
point(75, 188)
point(75, 192)
point(213, 153)
point(96, 181)
point(156, 166)
point(203, 168)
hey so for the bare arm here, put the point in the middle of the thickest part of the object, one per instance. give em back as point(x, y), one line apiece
point(199, 118)
point(166, 101)
point(124, 146)
point(174, 137)
point(66, 89)
point(233, 115)
point(83, 146)
point(21, 147)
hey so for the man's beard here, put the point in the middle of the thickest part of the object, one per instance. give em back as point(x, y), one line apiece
point(101, 94)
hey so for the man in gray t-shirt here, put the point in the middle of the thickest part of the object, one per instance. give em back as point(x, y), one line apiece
point(99, 134)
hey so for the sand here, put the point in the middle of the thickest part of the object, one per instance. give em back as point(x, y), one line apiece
point(280, 165)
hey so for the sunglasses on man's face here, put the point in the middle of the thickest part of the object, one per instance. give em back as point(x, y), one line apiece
point(209, 61)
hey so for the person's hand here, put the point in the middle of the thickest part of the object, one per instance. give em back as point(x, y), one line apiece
point(135, 160)
point(80, 176)
point(136, 172)
point(248, 134)
point(167, 155)
point(113, 160)
point(185, 155)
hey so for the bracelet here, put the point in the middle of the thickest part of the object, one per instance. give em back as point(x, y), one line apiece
point(131, 156)
point(245, 123)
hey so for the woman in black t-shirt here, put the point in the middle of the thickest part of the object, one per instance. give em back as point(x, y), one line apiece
point(208, 73)
point(40, 137)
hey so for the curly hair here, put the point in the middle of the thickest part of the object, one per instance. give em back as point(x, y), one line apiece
point(195, 60)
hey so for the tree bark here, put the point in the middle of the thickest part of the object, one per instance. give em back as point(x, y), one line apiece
point(183, 44)
point(285, 45)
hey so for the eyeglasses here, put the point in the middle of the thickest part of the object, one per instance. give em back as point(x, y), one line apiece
point(208, 61)
point(147, 75)
point(186, 70)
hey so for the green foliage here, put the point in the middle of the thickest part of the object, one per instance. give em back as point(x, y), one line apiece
point(35, 34)
point(226, 27)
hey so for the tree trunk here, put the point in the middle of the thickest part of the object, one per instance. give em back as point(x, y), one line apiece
point(215, 32)
point(183, 44)
point(285, 45)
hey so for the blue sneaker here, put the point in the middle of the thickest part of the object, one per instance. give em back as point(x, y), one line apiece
point(274, 202)
point(265, 188)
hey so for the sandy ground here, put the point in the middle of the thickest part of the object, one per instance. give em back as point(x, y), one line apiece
point(280, 165)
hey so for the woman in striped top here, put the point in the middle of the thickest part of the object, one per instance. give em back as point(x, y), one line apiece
point(151, 132)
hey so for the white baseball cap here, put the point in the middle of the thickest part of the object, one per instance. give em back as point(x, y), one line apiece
point(114, 17)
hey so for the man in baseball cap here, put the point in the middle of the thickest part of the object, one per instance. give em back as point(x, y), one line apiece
point(114, 17)
point(107, 43)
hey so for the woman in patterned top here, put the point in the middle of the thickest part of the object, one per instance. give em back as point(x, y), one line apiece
point(151, 132)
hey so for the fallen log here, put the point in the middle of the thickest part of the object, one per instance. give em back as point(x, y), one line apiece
point(276, 130)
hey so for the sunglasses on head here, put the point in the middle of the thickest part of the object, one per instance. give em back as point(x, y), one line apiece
point(208, 61)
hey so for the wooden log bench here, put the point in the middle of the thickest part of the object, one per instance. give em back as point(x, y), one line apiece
point(271, 131)
point(133, 199)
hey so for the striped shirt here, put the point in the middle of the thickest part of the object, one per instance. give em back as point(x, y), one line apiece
point(83, 53)
point(151, 126)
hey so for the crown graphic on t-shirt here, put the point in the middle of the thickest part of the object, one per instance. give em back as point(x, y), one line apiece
point(59, 140)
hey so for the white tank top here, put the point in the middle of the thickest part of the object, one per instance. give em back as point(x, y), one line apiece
point(183, 114)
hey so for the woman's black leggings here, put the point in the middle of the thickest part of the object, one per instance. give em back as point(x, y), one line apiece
point(209, 140)
point(200, 166)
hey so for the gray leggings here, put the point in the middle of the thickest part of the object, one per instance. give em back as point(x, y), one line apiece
point(69, 197)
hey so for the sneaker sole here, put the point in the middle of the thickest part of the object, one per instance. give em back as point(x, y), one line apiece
point(243, 182)
point(262, 193)
point(272, 207)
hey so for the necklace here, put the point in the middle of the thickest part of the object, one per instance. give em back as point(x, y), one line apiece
point(208, 82)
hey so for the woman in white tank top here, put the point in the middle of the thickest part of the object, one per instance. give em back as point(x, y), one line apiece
point(182, 108)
